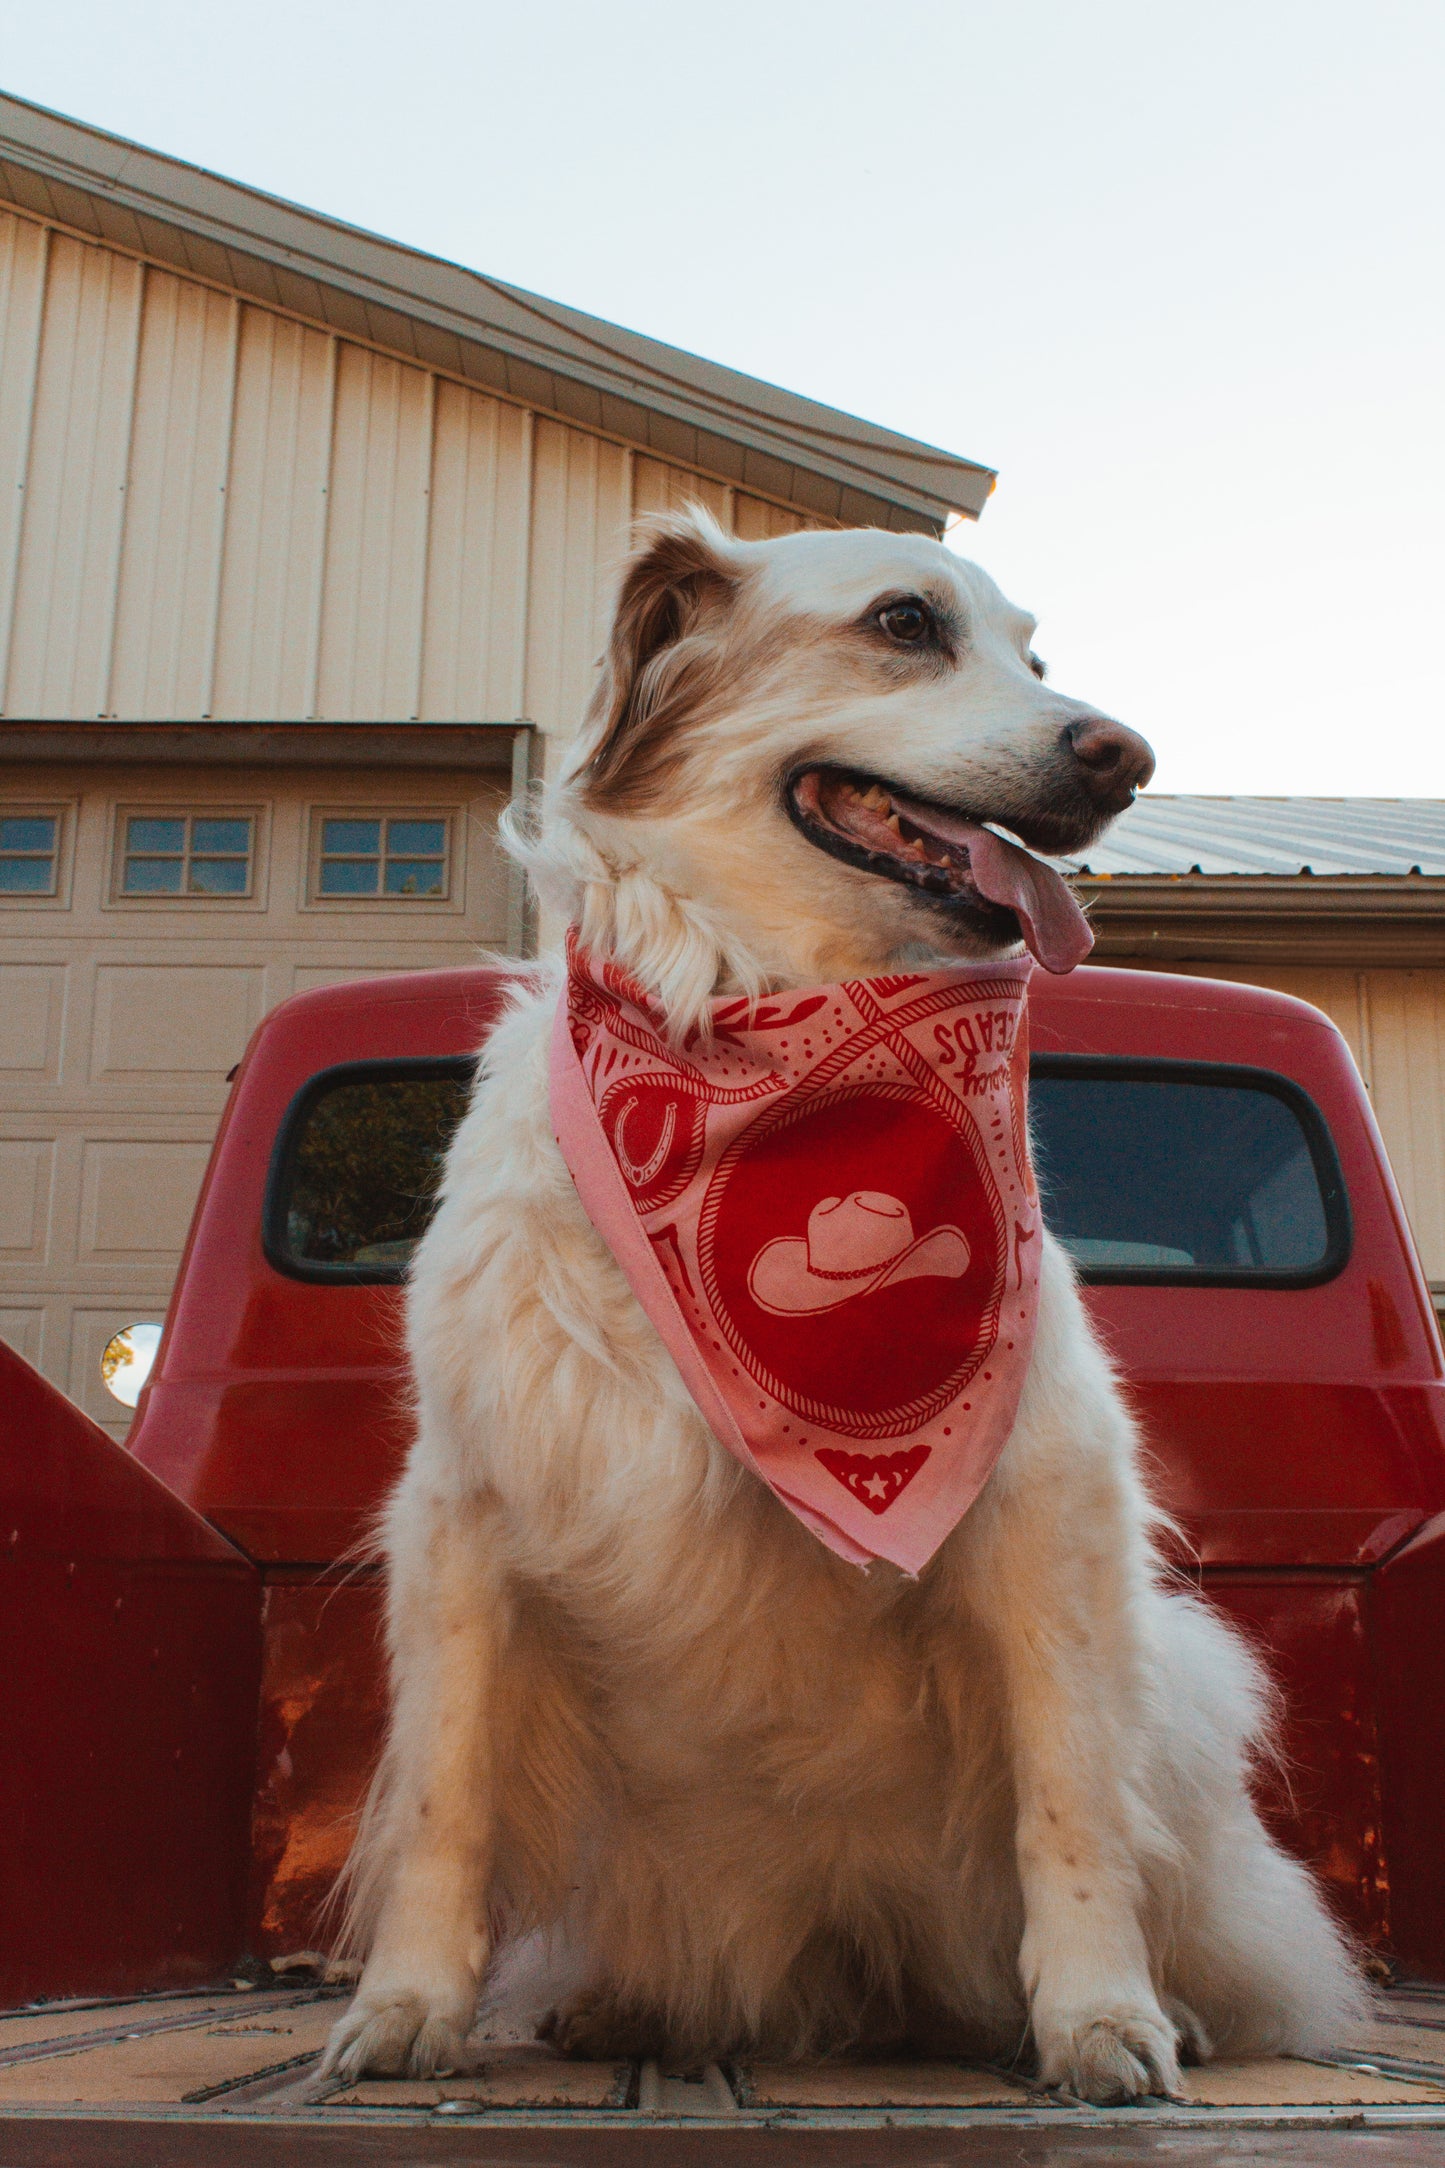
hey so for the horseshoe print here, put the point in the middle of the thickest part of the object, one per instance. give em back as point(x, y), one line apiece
point(640, 1172)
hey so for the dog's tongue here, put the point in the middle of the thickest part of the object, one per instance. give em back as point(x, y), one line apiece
point(1054, 927)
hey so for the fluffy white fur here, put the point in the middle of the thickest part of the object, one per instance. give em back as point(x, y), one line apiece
point(742, 1796)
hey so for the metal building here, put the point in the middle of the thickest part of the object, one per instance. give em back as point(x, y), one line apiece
point(305, 551)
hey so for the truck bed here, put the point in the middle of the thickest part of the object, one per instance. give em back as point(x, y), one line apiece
point(230, 2076)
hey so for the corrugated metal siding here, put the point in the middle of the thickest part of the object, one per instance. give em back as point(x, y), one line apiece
point(581, 503)
point(1407, 1060)
point(22, 296)
point(1163, 833)
point(170, 569)
point(211, 510)
point(755, 520)
point(275, 542)
point(474, 644)
point(659, 488)
point(75, 484)
point(371, 608)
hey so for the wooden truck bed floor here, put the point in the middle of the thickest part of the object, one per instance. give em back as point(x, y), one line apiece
point(230, 2077)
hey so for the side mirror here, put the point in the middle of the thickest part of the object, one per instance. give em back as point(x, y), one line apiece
point(126, 1361)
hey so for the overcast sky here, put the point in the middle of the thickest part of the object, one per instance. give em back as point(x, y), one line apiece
point(1176, 271)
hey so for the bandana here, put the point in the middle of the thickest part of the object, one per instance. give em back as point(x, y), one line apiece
point(826, 1207)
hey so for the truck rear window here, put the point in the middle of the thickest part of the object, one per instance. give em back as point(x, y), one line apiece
point(1184, 1173)
point(354, 1176)
point(1153, 1172)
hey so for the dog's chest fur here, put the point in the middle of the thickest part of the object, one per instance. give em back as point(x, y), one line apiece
point(707, 1626)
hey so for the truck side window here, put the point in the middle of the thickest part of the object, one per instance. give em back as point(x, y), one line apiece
point(1186, 1173)
point(354, 1174)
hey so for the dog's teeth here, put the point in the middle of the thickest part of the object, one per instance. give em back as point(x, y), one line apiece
point(892, 822)
point(874, 797)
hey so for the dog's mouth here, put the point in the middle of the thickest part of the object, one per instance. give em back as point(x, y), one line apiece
point(950, 857)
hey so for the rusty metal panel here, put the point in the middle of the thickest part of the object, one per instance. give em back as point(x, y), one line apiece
point(322, 1713)
point(60, 645)
point(170, 571)
point(1323, 1800)
point(23, 249)
point(581, 506)
point(371, 610)
point(269, 613)
point(474, 641)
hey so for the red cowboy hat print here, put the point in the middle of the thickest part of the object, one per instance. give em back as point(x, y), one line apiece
point(853, 1245)
point(852, 1253)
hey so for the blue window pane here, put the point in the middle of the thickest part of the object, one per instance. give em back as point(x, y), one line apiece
point(27, 832)
point(219, 876)
point(351, 837)
point(155, 835)
point(1155, 1176)
point(232, 837)
point(421, 839)
point(348, 877)
point(26, 876)
point(413, 877)
point(152, 876)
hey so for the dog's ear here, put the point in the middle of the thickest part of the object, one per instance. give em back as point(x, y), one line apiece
point(677, 592)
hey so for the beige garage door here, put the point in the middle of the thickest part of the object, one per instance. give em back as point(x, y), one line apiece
point(149, 916)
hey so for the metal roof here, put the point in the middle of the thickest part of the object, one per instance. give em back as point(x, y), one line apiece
point(539, 352)
point(1283, 837)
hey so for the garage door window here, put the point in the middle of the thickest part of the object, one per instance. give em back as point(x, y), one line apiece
point(29, 854)
point(186, 854)
point(387, 857)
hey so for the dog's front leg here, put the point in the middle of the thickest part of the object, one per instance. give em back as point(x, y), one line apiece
point(1054, 1570)
point(425, 1852)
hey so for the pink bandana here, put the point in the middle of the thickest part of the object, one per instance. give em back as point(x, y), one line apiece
point(828, 1212)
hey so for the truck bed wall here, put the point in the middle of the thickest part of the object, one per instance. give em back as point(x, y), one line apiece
point(130, 1657)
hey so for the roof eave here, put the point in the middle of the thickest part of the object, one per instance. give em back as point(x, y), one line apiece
point(1298, 895)
point(1356, 920)
point(541, 353)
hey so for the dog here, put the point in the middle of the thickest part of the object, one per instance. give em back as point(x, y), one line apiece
point(739, 1795)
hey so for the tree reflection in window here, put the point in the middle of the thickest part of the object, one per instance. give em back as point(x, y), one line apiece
point(364, 1170)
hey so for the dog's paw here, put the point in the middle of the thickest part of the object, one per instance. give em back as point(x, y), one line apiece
point(395, 2033)
point(1110, 2056)
point(592, 2026)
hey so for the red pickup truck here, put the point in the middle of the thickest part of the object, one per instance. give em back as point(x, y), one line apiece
point(192, 1663)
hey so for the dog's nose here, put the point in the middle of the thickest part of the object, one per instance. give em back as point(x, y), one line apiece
point(1115, 760)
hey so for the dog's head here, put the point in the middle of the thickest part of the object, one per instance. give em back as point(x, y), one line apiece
point(814, 740)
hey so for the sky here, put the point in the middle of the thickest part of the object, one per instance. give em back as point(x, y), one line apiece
point(1178, 272)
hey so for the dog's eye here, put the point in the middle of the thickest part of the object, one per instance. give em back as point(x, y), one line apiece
point(908, 621)
point(1039, 667)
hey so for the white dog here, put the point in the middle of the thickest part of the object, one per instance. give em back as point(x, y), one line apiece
point(753, 1798)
